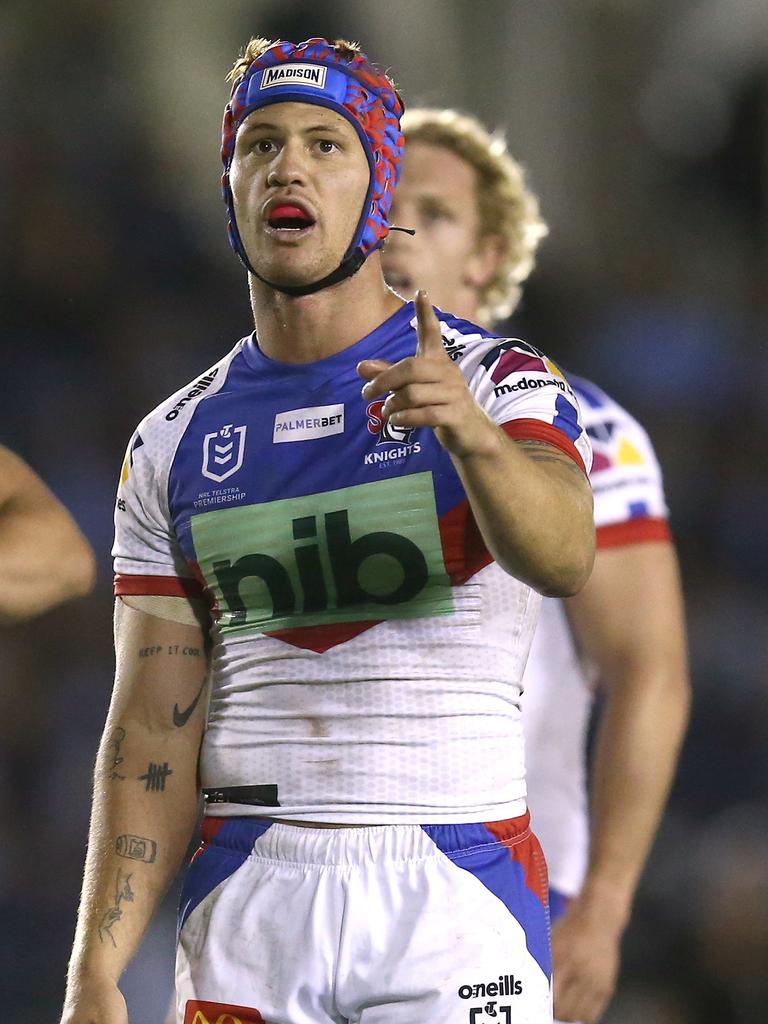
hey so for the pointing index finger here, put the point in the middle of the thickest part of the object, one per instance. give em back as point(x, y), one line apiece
point(427, 327)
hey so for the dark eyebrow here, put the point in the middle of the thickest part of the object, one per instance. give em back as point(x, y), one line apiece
point(326, 128)
point(255, 126)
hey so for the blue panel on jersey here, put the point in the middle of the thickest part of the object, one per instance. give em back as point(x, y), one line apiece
point(565, 419)
point(227, 852)
point(587, 392)
point(276, 431)
point(474, 848)
point(638, 509)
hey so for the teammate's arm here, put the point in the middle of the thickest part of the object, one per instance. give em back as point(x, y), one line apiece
point(144, 804)
point(44, 558)
point(533, 505)
point(629, 621)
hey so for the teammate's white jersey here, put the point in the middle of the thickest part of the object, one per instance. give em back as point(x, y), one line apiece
point(367, 650)
point(629, 509)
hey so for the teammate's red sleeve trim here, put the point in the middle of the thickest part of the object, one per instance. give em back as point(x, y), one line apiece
point(633, 531)
point(536, 430)
point(157, 586)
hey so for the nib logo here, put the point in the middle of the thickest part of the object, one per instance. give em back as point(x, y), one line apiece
point(338, 556)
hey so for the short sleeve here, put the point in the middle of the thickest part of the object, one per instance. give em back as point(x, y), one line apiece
point(630, 506)
point(530, 398)
point(147, 556)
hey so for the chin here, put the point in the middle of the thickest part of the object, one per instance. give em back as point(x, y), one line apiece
point(291, 272)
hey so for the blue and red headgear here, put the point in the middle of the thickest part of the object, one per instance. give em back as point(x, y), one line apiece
point(312, 72)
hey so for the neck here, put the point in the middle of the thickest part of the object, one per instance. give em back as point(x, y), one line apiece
point(312, 327)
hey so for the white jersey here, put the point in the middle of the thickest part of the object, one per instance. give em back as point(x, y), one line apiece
point(367, 651)
point(629, 509)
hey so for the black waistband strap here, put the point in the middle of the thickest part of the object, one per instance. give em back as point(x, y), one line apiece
point(258, 796)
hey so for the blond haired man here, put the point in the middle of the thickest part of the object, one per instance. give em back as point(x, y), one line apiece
point(477, 230)
point(360, 511)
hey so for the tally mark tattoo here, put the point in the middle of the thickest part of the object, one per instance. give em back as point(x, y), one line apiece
point(155, 776)
point(123, 894)
point(136, 848)
point(116, 738)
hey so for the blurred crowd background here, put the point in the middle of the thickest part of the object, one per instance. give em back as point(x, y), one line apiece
point(643, 125)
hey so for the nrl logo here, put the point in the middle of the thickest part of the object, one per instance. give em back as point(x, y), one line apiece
point(225, 448)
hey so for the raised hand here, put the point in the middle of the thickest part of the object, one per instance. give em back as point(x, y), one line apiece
point(429, 390)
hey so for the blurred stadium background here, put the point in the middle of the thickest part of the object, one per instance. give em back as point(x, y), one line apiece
point(644, 128)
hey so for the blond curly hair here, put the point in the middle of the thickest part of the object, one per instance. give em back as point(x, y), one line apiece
point(507, 208)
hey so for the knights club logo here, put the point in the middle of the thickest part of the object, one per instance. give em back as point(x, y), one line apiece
point(387, 432)
point(223, 452)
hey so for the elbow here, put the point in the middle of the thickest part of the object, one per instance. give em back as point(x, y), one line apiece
point(569, 573)
point(77, 573)
point(83, 572)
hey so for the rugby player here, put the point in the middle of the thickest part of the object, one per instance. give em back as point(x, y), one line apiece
point(372, 563)
point(44, 558)
point(477, 229)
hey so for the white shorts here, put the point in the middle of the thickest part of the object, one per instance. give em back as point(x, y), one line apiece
point(384, 924)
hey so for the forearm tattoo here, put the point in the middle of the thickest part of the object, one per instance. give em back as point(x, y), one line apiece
point(154, 777)
point(136, 848)
point(180, 718)
point(123, 894)
point(113, 754)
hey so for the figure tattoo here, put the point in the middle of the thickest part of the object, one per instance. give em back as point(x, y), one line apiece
point(123, 893)
point(116, 738)
point(136, 848)
point(180, 718)
point(155, 776)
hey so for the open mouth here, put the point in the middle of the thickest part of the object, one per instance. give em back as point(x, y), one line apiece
point(289, 220)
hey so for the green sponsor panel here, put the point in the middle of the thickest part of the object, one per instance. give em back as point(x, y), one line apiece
point(367, 552)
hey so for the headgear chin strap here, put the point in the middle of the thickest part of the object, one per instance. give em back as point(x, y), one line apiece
point(312, 72)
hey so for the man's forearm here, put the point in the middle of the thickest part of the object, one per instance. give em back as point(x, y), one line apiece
point(642, 725)
point(144, 810)
point(533, 506)
point(44, 559)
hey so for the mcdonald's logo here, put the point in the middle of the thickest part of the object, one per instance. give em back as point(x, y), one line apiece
point(200, 1011)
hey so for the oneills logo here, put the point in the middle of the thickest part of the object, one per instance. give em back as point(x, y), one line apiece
point(199, 1011)
point(294, 74)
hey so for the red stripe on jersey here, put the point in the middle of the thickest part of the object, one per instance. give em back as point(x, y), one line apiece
point(536, 430)
point(524, 848)
point(157, 586)
point(321, 638)
point(464, 550)
point(633, 531)
point(464, 554)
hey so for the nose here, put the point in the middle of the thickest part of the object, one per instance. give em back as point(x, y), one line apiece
point(288, 167)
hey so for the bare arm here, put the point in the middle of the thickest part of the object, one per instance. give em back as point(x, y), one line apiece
point(629, 621)
point(144, 804)
point(533, 505)
point(44, 558)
